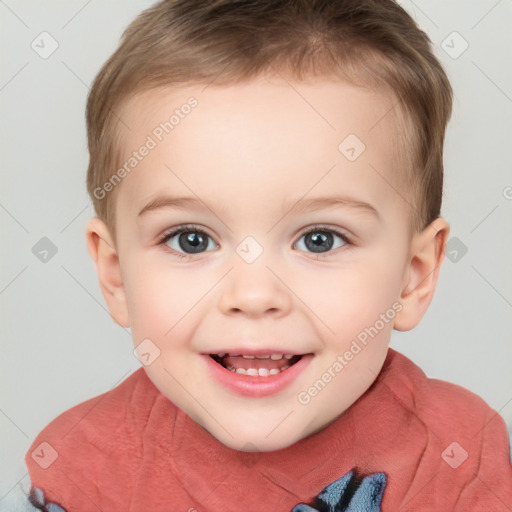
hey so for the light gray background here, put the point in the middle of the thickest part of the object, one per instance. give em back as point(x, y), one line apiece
point(59, 344)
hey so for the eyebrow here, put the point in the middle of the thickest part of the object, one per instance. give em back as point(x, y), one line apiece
point(320, 203)
point(300, 206)
point(174, 202)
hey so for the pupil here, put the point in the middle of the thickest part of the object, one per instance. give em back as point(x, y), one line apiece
point(320, 240)
point(196, 242)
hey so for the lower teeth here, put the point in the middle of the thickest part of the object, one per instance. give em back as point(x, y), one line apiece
point(262, 372)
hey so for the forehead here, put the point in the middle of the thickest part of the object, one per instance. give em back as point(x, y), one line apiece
point(278, 137)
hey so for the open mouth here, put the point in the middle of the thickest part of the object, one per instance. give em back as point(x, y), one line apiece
point(262, 365)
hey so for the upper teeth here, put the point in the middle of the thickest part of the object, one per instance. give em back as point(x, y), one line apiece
point(275, 357)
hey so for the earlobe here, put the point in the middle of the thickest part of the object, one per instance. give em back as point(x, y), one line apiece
point(104, 254)
point(427, 254)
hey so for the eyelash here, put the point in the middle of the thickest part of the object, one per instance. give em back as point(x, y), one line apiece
point(191, 227)
point(180, 229)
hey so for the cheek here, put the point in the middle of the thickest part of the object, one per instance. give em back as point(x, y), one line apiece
point(351, 299)
point(160, 298)
point(367, 288)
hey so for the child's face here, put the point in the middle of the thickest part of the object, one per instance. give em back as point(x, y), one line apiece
point(254, 161)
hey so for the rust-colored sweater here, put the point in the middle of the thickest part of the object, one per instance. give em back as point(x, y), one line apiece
point(409, 444)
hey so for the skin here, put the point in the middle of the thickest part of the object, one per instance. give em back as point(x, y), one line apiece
point(251, 151)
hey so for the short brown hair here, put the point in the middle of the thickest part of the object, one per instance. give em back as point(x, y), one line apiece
point(373, 43)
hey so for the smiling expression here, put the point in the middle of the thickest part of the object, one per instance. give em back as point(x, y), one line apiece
point(248, 230)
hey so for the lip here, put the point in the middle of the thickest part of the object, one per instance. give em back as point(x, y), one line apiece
point(256, 386)
point(259, 352)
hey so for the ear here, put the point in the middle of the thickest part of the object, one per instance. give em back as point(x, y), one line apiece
point(104, 254)
point(427, 254)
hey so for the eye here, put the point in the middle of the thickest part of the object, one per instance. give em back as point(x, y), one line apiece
point(188, 240)
point(320, 240)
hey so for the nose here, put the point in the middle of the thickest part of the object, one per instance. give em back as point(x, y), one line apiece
point(254, 290)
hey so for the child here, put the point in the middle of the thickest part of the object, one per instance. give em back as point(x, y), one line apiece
point(296, 145)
